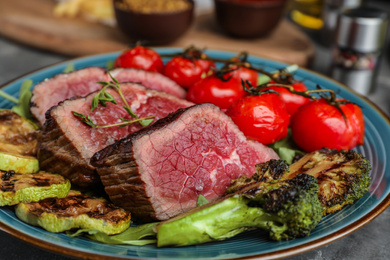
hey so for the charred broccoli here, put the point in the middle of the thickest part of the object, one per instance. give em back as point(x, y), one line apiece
point(267, 171)
point(343, 176)
point(285, 208)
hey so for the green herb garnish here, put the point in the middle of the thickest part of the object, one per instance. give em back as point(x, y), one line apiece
point(201, 201)
point(69, 68)
point(102, 97)
point(286, 148)
point(22, 106)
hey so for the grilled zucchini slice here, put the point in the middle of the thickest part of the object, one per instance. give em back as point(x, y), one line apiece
point(17, 187)
point(17, 134)
point(18, 163)
point(76, 210)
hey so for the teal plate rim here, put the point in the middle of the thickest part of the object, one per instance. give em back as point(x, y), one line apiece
point(250, 245)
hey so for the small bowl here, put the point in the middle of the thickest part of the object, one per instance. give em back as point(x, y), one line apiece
point(154, 28)
point(249, 18)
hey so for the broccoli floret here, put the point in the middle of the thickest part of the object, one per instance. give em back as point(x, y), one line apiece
point(343, 176)
point(287, 209)
point(267, 171)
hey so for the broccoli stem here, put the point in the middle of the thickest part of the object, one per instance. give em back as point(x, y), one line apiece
point(219, 221)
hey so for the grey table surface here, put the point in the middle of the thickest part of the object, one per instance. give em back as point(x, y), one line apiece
point(370, 242)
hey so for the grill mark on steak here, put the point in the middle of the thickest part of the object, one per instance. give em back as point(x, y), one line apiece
point(67, 144)
point(159, 171)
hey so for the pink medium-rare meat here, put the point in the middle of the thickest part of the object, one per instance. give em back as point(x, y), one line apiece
point(149, 79)
point(84, 81)
point(159, 171)
point(67, 144)
point(51, 91)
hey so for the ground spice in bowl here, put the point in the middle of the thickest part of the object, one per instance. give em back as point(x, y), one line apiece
point(154, 6)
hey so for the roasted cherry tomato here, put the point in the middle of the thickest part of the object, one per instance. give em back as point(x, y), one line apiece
point(140, 57)
point(187, 71)
point(292, 101)
point(213, 89)
point(319, 124)
point(263, 118)
point(243, 73)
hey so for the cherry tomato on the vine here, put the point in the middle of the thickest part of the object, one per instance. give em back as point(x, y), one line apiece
point(263, 118)
point(186, 72)
point(140, 57)
point(243, 73)
point(319, 124)
point(292, 101)
point(213, 89)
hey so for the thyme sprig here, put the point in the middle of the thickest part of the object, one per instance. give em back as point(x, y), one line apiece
point(102, 97)
point(88, 121)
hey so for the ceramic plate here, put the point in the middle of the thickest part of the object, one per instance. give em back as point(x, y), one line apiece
point(250, 244)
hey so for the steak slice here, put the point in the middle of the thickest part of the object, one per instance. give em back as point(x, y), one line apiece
point(67, 144)
point(159, 171)
point(149, 79)
point(84, 81)
point(51, 91)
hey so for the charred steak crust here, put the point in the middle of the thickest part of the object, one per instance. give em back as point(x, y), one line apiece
point(57, 154)
point(149, 191)
point(119, 158)
point(67, 145)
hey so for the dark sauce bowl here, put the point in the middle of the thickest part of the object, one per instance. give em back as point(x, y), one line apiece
point(154, 28)
point(249, 18)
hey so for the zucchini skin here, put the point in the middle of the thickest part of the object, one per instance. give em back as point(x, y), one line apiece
point(9, 196)
point(18, 163)
point(59, 222)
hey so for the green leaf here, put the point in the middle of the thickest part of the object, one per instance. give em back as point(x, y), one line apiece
point(89, 122)
point(262, 79)
point(110, 64)
point(79, 115)
point(139, 235)
point(85, 119)
point(286, 148)
point(146, 122)
point(95, 103)
point(131, 113)
point(103, 83)
point(110, 98)
point(114, 79)
point(201, 201)
point(69, 68)
point(25, 94)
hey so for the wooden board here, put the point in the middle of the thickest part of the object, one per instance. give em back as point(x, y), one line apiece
point(32, 23)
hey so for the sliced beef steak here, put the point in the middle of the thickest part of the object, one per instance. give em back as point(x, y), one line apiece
point(159, 171)
point(149, 79)
point(84, 81)
point(51, 91)
point(67, 144)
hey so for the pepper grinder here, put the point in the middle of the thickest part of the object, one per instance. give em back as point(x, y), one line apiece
point(360, 37)
point(330, 13)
